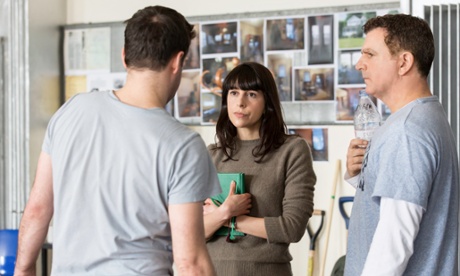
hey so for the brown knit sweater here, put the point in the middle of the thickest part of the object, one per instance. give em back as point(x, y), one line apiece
point(282, 188)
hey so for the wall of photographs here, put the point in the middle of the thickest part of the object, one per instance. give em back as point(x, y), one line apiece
point(311, 54)
point(311, 57)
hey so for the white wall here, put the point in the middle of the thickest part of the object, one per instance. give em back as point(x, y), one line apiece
point(43, 70)
point(86, 11)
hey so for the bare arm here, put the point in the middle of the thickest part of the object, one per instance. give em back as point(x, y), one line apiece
point(37, 216)
point(355, 156)
point(216, 217)
point(189, 247)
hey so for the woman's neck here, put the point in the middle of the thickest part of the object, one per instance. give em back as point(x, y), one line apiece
point(246, 134)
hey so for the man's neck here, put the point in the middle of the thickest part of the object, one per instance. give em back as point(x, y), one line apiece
point(145, 89)
point(404, 94)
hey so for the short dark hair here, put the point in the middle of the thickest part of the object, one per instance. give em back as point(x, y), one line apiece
point(153, 35)
point(256, 77)
point(409, 33)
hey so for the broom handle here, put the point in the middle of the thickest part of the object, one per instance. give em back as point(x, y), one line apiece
point(338, 169)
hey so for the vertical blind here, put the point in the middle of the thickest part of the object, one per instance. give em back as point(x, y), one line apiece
point(14, 112)
point(444, 77)
point(2, 136)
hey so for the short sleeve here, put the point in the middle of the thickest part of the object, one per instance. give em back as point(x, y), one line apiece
point(193, 176)
point(413, 182)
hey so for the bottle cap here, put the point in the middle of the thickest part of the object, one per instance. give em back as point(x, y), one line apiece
point(362, 92)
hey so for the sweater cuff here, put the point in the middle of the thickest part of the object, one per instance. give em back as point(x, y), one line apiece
point(272, 228)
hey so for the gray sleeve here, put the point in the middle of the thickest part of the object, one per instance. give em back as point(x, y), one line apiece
point(193, 177)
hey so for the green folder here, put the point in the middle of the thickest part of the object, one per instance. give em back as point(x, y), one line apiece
point(225, 180)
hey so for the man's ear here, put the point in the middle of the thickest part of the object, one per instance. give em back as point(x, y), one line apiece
point(177, 62)
point(123, 57)
point(406, 62)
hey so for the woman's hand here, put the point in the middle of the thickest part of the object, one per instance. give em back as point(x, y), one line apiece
point(218, 216)
point(234, 205)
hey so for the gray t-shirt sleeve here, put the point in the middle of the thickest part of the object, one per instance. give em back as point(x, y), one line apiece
point(406, 175)
point(193, 176)
point(47, 141)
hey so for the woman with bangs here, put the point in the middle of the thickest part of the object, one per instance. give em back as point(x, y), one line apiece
point(279, 178)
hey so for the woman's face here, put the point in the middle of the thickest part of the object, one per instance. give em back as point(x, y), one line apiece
point(245, 109)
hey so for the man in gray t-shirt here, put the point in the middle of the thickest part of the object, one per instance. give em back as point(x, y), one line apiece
point(122, 179)
point(404, 219)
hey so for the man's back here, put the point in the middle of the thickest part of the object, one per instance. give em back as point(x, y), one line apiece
point(116, 168)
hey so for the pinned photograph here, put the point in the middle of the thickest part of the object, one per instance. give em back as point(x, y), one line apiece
point(211, 106)
point(285, 34)
point(321, 39)
point(219, 38)
point(252, 40)
point(351, 34)
point(192, 60)
point(214, 72)
point(314, 84)
point(317, 138)
point(281, 67)
point(187, 98)
point(348, 74)
point(347, 101)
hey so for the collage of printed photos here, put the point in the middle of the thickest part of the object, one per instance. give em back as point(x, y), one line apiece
point(312, 59)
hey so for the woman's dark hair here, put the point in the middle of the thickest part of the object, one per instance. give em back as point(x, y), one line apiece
point(153, 35)
point(256, 77)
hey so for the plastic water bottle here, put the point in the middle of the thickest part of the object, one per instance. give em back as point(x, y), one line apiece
point(367, 118)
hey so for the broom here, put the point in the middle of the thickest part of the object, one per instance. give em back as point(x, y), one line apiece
point(338, 172)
